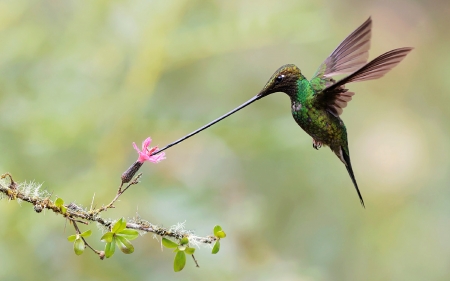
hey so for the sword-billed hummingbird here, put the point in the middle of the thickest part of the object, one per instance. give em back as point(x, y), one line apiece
point(317, 104)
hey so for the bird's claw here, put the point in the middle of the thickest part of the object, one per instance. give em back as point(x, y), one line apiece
point(317, 144)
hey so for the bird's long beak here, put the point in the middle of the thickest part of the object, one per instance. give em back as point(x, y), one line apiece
point(255, 98)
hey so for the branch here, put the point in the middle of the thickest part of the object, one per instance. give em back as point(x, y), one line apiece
point(31, 193)
point(117, 233)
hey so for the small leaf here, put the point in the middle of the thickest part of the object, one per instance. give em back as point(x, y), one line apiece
point(59, 202)
point(119, 226)
point(216, 247)
point(189, 251)
point(78, 246)
point(221, 234)
point(179, 262)
point(72, 238)
point(124, 245)
point(169, 243)
point(130, 234)
point(107, 237)
point(87, 233)
point(110, 248)
point(217, 228)
point(63, 209)
point(184, 240)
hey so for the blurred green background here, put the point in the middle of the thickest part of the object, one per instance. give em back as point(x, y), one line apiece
point(81, 80)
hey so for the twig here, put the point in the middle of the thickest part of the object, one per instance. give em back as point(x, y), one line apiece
point(119, 193)
point(85, 242)
point(196, 263)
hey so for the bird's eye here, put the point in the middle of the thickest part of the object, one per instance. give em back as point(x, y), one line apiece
point(279, 79)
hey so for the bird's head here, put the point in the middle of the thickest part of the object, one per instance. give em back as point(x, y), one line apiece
point(284, 80)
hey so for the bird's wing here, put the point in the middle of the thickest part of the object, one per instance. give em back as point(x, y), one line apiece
point(348, 57)
point(335, 97)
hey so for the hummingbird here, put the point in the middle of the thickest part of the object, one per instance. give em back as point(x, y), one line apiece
point(317, 104)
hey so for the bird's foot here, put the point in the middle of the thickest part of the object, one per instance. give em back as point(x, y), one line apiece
point(317, 144)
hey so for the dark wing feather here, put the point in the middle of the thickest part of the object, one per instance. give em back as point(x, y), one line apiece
point(349, 56)
point(335, 97)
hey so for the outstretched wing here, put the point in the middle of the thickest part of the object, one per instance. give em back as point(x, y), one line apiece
point(348, 57)
point(335, 97)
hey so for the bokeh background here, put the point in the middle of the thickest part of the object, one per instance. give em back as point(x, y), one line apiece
point(81, 80)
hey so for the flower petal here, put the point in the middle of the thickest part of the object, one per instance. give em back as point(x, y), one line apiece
point(146, 153)
point(135, 147)
point(158, 157)
point(146, 143)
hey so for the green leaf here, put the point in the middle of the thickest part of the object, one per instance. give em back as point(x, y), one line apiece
point(179, 262)
point(189, 251)
point(107, 237)
point(59, 202)
point(124, 245)
point(221, 234)
point(130, 234)
point(169, 243)
point(216, 247)
point(78, 246)
point(87, 233)
point(184, 240)
point(110, 248)
point(217, 228)
point(63, 209)
point(72, 238)
point(119, 226)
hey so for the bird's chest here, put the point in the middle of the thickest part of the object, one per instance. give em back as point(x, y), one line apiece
point(317, 123)
point(304, 115)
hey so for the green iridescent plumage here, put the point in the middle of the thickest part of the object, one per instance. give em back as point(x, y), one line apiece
point(317, 104)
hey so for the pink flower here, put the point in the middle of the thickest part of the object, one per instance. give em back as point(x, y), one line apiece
point(146, 153)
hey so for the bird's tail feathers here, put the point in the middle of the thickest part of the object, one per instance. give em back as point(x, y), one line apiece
point(345, 157)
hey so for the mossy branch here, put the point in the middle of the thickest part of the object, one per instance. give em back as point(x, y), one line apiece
point(117, 233)
point(32, 193)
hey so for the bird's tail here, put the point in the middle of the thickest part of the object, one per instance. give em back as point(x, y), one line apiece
point(348, 165)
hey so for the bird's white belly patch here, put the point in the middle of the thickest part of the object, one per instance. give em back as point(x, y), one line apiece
point(296, 106)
